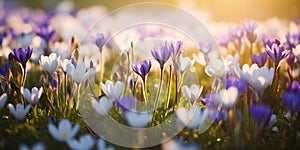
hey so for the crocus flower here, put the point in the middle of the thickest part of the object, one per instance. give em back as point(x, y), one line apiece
point(138, 120)
point(79, 73)
point(102, 106)
point(45, 32)
point(175, 49)
point(19, 112)
point(125, 103)
point(205, 47)
point(99, 41)
point(64, 132)
point(85, 142)
point(276, 51)
point(192, 93)
point(142, 69)
point(101, 145)
point(259, 59)
point(237, 34)
point(112, 91)
point(3, 99)
point(36, 146)
point(49, 63)
point(216, 68)
point(184, 64)
point(5, 69)
point(260, 114)
point(296, 52)
point(32, 97)
point(192, 117)
point(226, 97)
point(291, 59)
point(292, 40)
point(250, 28)
point(291, 98)
point(239, 84)
point(258, 78)
point(161, 56)
point(22, 55)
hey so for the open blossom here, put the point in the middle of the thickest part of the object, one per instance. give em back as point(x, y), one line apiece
point(296, 52)
point(113, 91)
point(258, 78)
point(241, 84)
point(226, 97)
point(64, 132)
point(138, 120)
point(22, 55)
point(259, 59)
point(34, 96)
point(291, 98)
point(260, 114)
point(205, 47)
point(175, 49)
point(125, 103)
point(184, 64)
point(45, 31)
point(85, 142)
point(102, 106)
point(79, 73)
point(216, 68)
point(36, 146)
point(99, 41)
point(19, 112)
point(161, 56)
point(250, 28)
point(49, 63)
point(276, 51)
point(192, 117)
point(3, 99)
point(142, 69)
point(192, 93)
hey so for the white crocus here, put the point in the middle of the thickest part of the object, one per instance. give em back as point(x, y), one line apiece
point(64, 64)
point(102, 106)
point(37, 146)
point(216, 68)
point(296, 51)
point(200, 58)
point(101, 145)
point(192, 117)
point(138, 120)
point(231, 64)
point(19, 112)
point(227, 97)
point(64, 132)
point(185, 63)
point(79, 73)
point(85, 142)
point(3, 99)
point(34, 96)
point(49, 63)
point(258, 78)
point(112, 91)
point(192, 93)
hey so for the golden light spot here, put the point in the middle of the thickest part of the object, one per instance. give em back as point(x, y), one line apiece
point(219, 71)
point(64, 134)
point(19, 113)
point(77, 74)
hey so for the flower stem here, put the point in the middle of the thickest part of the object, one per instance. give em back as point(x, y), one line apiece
point(34, 107)
point(78, 96)
point(251, 52)
point(102, 68)
point(169, 88)
point(145, 90)
point(157, 95)
point(176, 87)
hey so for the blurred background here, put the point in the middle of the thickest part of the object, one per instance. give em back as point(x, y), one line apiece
point(219, 10)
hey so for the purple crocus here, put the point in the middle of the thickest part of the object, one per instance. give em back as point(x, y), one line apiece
point(259, 59)
point(125, 103)
point(175, 49)
point(22, 55)
point(161, 56)
point(99, 41)
point(142, 69)
point(292, 40)
point(291, 98)
point(239, 84)
point(205, 47)
point(237, 34)
point(4, 70)
point(291, 59)
point(1, 39)
point(276, 51)
point(250, 28)
point(260, 114)
point(45, 32)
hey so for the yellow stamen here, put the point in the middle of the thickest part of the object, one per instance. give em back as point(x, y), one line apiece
point(64, 134)
point(19, 113)
point(77, 74)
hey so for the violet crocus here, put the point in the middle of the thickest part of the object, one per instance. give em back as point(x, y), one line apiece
point(99, 41)
point(125, 103)
point(276, 51)
point(237, 34)
point(4, 70)
point(239, 84)
point(45, 32)
point(259, 59)
point(292, 40)
point(260, 114)
point(161, 56)
point(22, 55)
point(205, 47)
point(142, 69)
point(175, 49)
point(250, 28)
point(291, 98)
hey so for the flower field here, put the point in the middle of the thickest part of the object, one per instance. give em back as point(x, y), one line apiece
point(70, 80)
